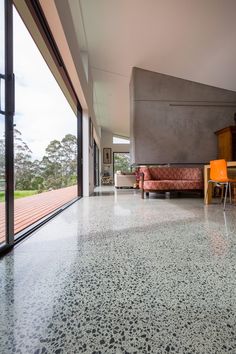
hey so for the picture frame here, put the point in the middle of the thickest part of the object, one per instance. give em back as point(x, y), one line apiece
point(90, 132)
point(107, 156)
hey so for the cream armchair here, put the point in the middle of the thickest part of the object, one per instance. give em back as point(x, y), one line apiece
point(123, 181)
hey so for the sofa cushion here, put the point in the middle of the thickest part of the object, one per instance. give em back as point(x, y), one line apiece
point(176, 173)
point(166, 185)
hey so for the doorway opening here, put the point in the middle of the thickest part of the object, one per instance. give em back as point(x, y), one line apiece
point(121, 162)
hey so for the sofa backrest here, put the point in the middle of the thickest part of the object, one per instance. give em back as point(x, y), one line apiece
point(172, 173)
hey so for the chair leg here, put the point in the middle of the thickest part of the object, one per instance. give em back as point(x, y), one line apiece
point(206, 196)
point(226, 192)
point(222, 193)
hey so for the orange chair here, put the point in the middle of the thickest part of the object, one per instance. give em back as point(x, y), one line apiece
point(218, 175)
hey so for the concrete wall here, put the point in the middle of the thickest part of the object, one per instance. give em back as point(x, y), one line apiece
point(174, 120)
point(107, 142)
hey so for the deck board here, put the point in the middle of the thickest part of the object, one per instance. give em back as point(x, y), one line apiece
point(30, 209)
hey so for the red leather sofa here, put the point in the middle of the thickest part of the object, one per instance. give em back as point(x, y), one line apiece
point(154, 179)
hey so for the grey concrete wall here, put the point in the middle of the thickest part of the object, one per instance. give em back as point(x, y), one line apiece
point(174, 120)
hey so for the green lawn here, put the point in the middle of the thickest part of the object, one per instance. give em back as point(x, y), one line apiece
point(18, 194)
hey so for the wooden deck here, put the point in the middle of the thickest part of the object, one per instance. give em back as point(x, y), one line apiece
point(28, 210)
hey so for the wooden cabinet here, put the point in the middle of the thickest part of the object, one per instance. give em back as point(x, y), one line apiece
point(227, 143)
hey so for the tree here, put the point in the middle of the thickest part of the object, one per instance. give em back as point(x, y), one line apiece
point(60, 163)
point(57, 169)
point(23, 163)
point(122, 162)
point(53, 165)
point(37, 182)
point(69, 158)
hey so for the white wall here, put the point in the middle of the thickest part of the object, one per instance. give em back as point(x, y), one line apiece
point(107, 142)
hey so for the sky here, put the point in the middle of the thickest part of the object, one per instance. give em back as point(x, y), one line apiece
point(42, 111)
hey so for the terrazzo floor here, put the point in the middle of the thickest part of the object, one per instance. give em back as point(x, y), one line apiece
point(117, 274)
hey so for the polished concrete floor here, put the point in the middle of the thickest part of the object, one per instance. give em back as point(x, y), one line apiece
point(117, 274)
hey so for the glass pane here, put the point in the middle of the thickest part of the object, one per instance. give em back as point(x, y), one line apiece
point(96, 164)
point(45, 136)
point(2, 128)
point(118, 140)
point(2, 180)
point(2, 37)
point(122, 162)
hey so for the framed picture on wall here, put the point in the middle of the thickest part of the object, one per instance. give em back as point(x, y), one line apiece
point(90, 133)
point(107, 156)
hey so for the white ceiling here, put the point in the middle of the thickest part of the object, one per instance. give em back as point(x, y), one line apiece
point(190, 39)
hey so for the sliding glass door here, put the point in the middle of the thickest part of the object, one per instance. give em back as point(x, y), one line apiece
point(96, 164)
point(2, 126)
point(2, 180)
point(45, 136)
point(6, 124)
point(40, 134)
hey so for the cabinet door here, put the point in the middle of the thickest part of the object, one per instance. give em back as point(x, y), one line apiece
point(225, 146)
point(234, 146)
